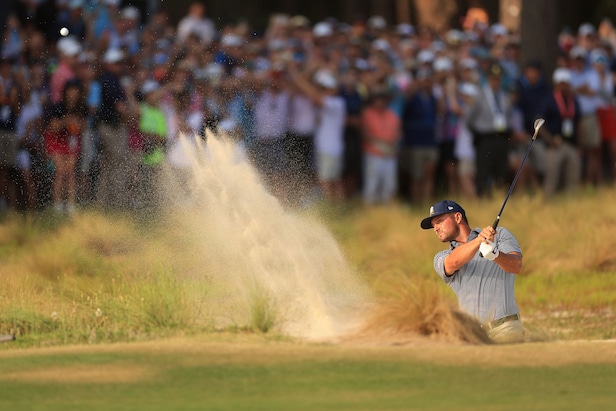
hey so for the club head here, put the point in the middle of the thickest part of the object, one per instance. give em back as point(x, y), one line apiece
point(537, 125)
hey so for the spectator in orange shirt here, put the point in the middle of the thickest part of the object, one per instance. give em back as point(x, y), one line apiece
point(381, 129)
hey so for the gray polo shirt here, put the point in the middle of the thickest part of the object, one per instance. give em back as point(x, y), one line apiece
point(484, 290)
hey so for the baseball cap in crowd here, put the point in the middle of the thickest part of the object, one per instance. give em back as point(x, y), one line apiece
point(468, 63)
point(405, 29)
point(561, 75)
point(149, 86)
point(440, 208)
point(598, 56)
point(68, 46)
point(442, 64)
point(425, 56)
point(130, 13)
point(325, 79)
point(377, 22)
point(498, 30)
point(112, 56)
point(578, 52)
point(469, 89)
point(586, 29)
point(322, 29)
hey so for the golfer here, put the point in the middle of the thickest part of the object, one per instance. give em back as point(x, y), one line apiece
point(483, 279)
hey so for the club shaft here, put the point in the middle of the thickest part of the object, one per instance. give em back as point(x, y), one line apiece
point(515, 179)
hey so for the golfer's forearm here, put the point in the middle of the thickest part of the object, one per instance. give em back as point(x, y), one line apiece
point(512, 263)
point(461, 255)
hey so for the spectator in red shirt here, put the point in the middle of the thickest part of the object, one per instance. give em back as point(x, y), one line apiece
point(381, 135)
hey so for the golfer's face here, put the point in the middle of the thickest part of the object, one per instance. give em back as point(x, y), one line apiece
point(445, 227)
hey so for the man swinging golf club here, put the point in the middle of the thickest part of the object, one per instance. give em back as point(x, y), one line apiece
point(480, 267)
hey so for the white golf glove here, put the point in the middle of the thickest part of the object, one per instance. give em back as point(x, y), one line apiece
point(489, 250)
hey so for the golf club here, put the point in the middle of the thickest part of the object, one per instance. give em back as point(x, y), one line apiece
point(537, 125)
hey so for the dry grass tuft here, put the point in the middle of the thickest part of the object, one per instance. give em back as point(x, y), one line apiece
point(416, 306)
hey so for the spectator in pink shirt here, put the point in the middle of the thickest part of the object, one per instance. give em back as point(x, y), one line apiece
point(68, 49)
point(381, 135)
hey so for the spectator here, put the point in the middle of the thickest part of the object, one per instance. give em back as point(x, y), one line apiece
point(69, 50)
point(586, 85)
point(112, 112)
point(381, 135)
point(489, 119)
point(196, 23)
point(300, 141)
point(419, 155)
point(606, 113)
point(562, 114)
point(329, 135)
point(268, 150)
point(65, 127)
point(464, 149)
point(10, 107)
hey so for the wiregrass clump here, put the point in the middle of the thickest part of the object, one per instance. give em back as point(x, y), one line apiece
point(417, 306)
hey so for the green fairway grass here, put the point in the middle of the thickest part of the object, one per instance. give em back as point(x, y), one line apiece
point(255, 373)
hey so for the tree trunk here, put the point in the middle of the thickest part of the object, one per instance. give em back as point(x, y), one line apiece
point(539, 27)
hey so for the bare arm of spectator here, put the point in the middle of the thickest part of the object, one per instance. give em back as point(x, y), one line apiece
point(305, 85)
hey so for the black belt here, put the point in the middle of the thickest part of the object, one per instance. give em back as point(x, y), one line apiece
point(493, 324)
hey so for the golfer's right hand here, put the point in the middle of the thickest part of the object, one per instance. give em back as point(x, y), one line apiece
point(489, 250)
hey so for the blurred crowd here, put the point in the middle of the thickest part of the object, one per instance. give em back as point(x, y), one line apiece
point(93, 103)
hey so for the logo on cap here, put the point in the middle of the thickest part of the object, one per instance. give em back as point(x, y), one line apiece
point(431, 211)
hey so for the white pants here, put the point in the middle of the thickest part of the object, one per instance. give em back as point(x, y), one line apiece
point(380, 178)
point(507, 333)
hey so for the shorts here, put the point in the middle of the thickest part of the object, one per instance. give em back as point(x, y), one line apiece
point(591, 136)
point(414, 160)
point(607, 123)
point(8, 148)
point(466, 167)
point(329, 167)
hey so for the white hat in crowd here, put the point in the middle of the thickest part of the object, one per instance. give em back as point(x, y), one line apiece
point(562, 75)
point(231, 40)
point(442, 64)
point(322, 29)
point(149, 86)
point(469, 89)
point(112, 56)
point(425, 56)
point(468, 63)
point(131, 13)
point(405, 29)
point(586, 29)
point(325, 79)
point(377, 22)
point(598, 56)
point(577, 52)
point(68, 46)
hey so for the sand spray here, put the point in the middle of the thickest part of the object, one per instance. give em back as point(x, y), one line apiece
point(265, 263)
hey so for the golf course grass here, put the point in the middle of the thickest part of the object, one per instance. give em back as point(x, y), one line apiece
point(253, 372)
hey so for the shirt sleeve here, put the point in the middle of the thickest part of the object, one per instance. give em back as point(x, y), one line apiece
point(439, 265)
point(506, 242)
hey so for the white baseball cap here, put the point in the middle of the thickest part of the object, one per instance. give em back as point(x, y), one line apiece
point(325, 79)
point(561, 75)
point(149, 86)
point(442, 64)
point(425, 56)
point(69, 46)
point(377, 22)
point(322, 29)
point(112, 56)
